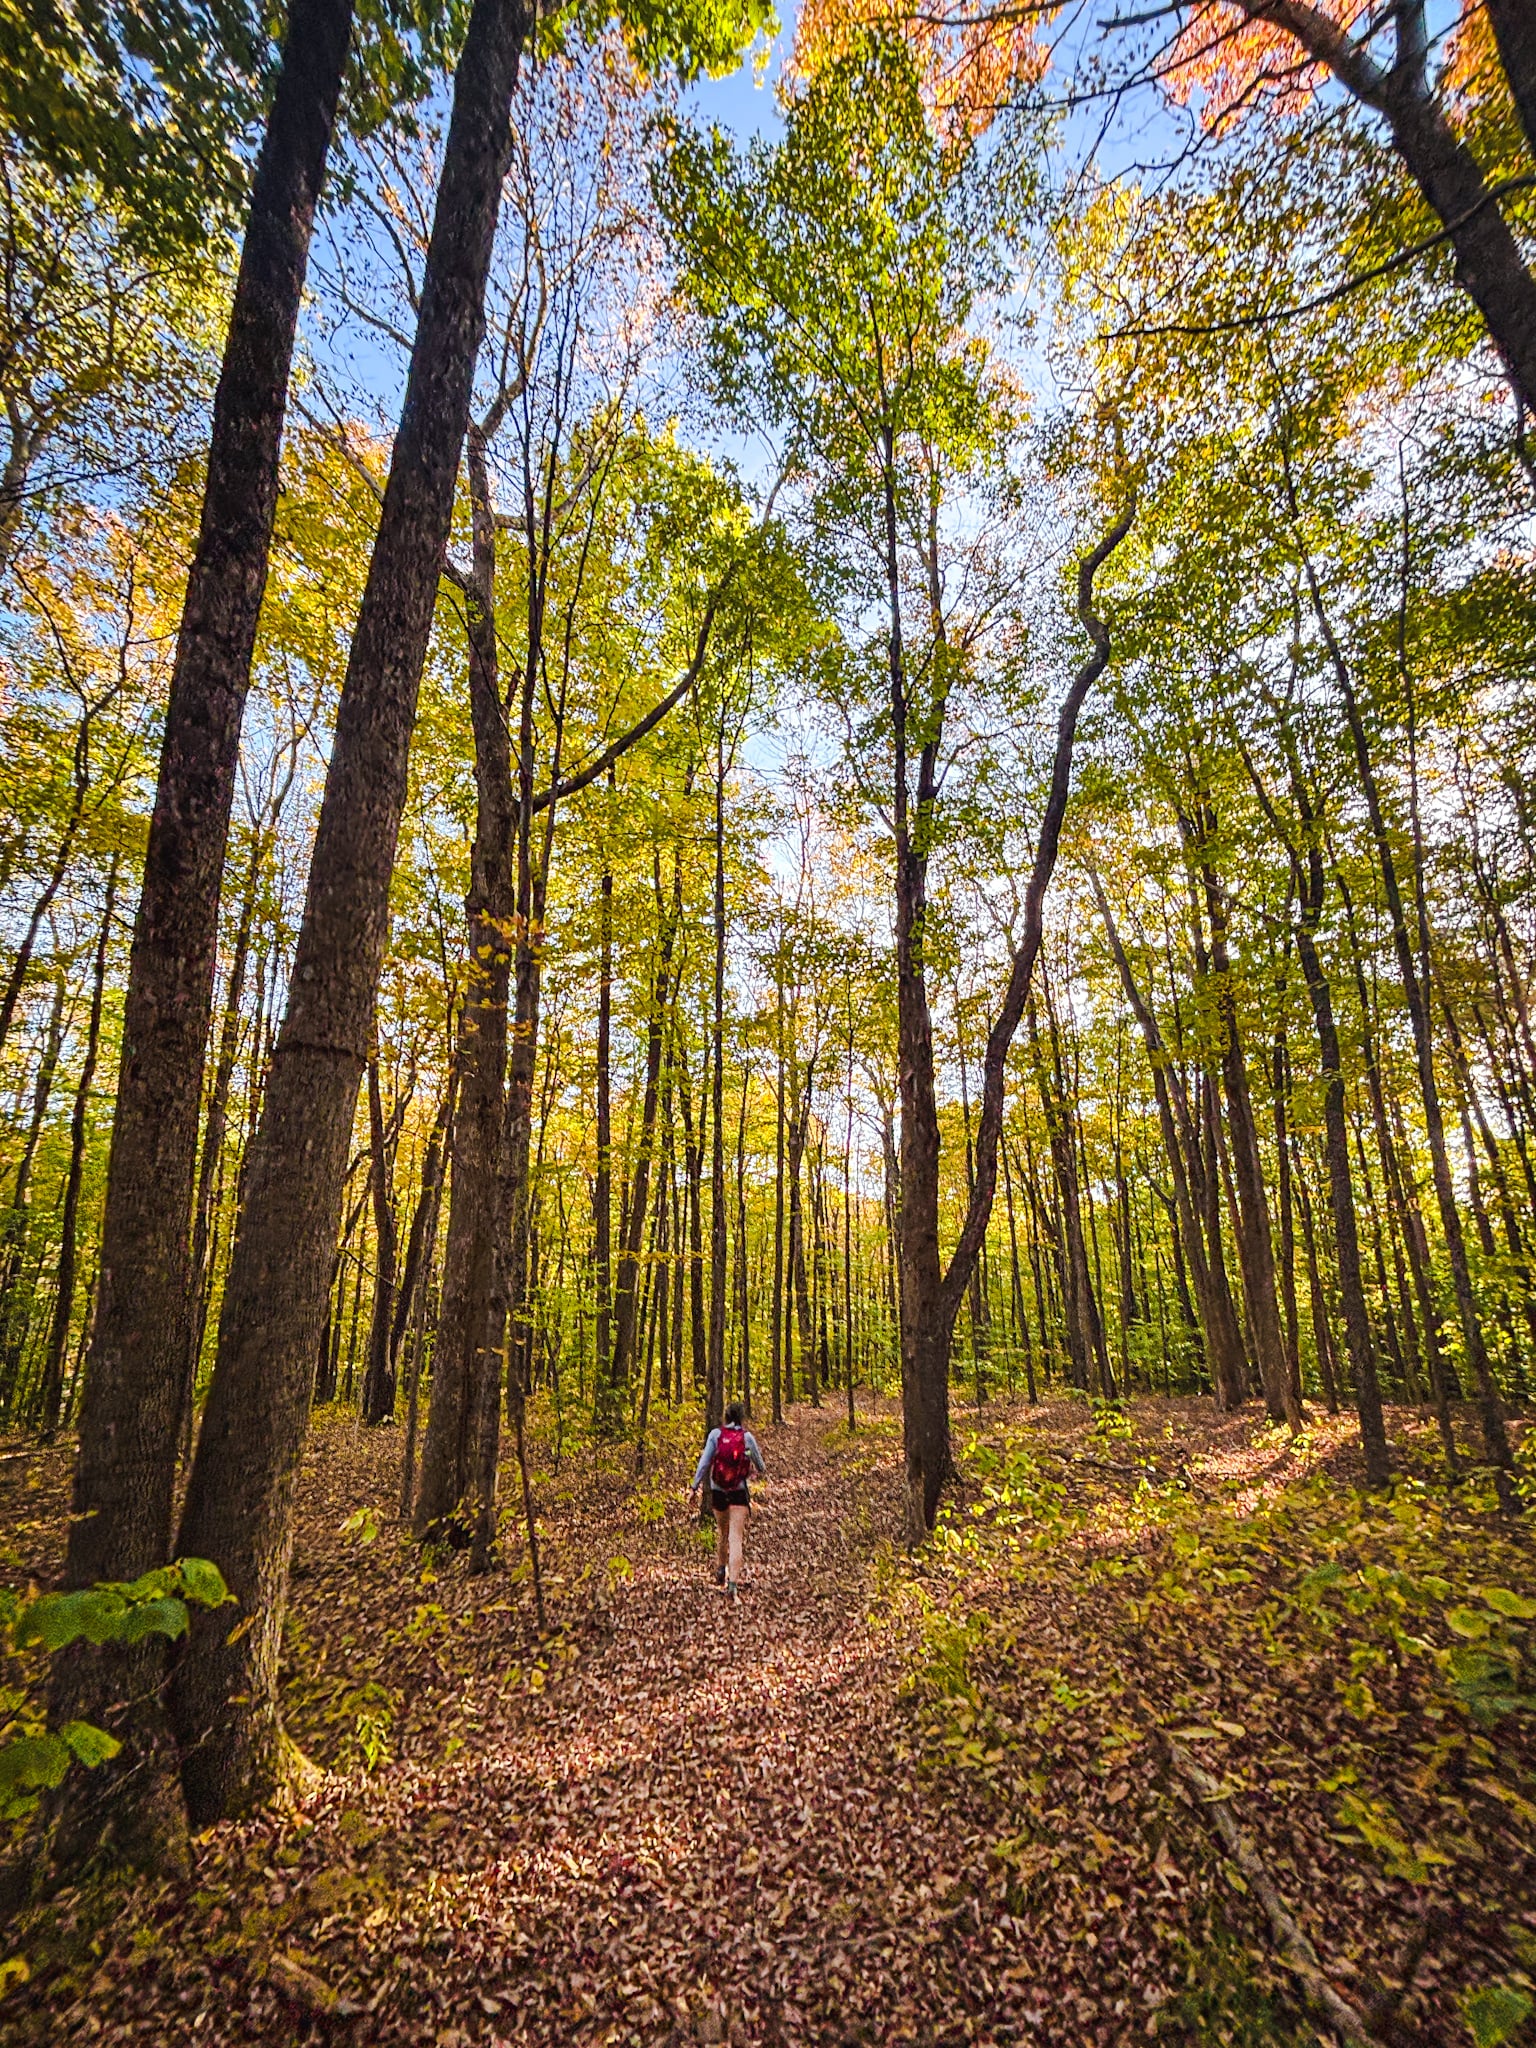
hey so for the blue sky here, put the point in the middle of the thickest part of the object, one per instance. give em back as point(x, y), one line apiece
point(739, 103)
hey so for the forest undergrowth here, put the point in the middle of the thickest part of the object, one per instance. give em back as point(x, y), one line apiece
point(943, 1798)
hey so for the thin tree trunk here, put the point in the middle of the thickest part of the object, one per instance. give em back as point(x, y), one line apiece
point(13, 1242)
point(609, 1398)
point(1495, 1436)
point(655, 1039)
point(215, 1127)
point(778, 1188)
point(51, 1401)
point(379, 1379)
point(415, 1286)
point(714, 1406)
point(1217, 1317)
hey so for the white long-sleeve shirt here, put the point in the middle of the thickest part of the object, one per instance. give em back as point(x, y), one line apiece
point(712, 1444)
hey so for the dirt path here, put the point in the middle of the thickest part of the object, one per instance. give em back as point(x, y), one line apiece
point(707, 1834)
point(705, 1830)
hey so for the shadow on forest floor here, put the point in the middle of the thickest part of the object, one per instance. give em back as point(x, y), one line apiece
point(880, 1799)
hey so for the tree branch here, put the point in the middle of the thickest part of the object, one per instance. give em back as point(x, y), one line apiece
point(990, 1122)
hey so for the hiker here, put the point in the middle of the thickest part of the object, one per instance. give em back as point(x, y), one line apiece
point(729, 1454)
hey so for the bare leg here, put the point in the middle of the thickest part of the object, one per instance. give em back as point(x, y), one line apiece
point(722, 1540)
point(738, 1533)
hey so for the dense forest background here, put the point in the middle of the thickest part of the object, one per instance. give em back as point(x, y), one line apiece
point(885, 760)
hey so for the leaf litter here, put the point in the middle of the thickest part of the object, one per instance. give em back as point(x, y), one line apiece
point(879, 1798)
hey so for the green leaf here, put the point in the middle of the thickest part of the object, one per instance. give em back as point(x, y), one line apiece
point(1468, 1622)
point(89, 1745)
point(32, 1763)
point(363, 1524)
point(152, 1585)
point(203, 1582)
point(1496, 2013)
point(57, 1619)
point(1513, 1606)
point(153, 1618)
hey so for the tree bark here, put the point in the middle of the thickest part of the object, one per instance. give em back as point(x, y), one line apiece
point(1514, 31)
point(1341, 1193)
point(1256, 1251)
point(51, 1393)
point(239, 1501)
point(1489, 266)
point(135, 1368)
point(448, 1449)
point(378, 1403)
point(215, 1128)
point(1495, 1436)
point(777, 1322)
point(14, 1319)
point(1217, 1316)
point(714, 1405)
point(668, 921)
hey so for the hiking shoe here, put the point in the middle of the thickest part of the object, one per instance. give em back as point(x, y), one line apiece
point(719, 1574)
point(732, 1590)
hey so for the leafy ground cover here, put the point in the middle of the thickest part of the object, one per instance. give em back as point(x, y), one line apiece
point(945, 1799)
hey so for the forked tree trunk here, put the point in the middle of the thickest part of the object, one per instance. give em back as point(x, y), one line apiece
point(931, 1296)
point(135, 1369)
point(240, 1497)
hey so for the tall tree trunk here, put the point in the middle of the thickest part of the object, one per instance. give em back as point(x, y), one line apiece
point(848, 1346)
point(609, 1402)
point(798, 1301)
point(379, 1380)
point(121, 1523)
point(1217, 1316)
point(239, 1501)
point(408, 1338)
point(931, 1297)
point(743, 1289)
point(1256, 1251)
point(51, 1400)
point(778, 1187)
point(14, 1319)
point(1020, 1318)
point(1495, 1436)
point(668, 921)
point(459, 1416)
point(215, 1128)
point(714, 1405)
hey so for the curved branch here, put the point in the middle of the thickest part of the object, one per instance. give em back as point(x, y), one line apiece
point(1000, 1037)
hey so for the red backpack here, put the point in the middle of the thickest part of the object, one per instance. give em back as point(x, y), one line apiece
point(731, 1464)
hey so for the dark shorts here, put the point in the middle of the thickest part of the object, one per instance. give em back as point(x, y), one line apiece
point(736, 1498)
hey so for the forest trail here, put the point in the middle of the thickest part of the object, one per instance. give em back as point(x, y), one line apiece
point(882, 1798)
point(705, 1832)
point(704, 1828)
